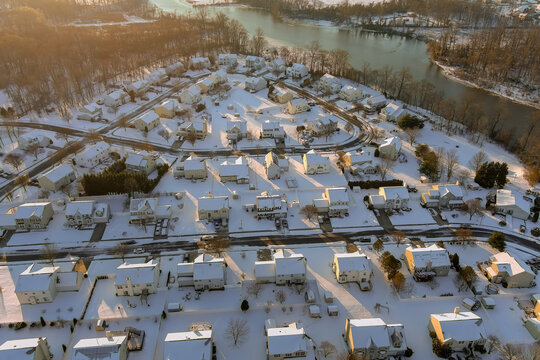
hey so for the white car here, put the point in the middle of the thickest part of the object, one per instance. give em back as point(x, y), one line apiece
point(138, 251)
point(443, 217)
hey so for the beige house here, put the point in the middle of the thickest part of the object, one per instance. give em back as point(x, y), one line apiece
point(236, 129)
point(108, 347)
point(275, 166)
point(390, 197)
point(290, 268)
point(330, 84)
point(510, 271)
point(116, 98)
point(338, 201)
point(321, 125)
point(191, 95)
point(297, 106)
point(362, 162)
point(374, 338)
point(175, 69)
point(235, 171)
point(352, 267)
point(198, 127)
point(315, 163)
point(31, 216)
point(431, 259)
point(350, 93)
point(460, 330)
point(205, 85)
point(254, 84)
point(138, 88)
point(26, 349)
point(55, 179)
point(136, 279)
point(187, 345)
point(86, 213)
point(166, 109)
point(199, 63)
point(443, 196)
point(213, 208)
point(286, 342)
point(142, 162)
point(147, 122)
point(147, 210)
point(191, 168)
point(281, 96)
point(390, 148)
point(90, 112)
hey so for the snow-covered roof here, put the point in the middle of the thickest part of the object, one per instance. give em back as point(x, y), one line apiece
point(270, 125)
point(95, 150)
point(92, 108)
point(299, 67)
point(117, 94)
point(278, 62)
point(463, 326)
point(136, 160)
point(393, 108)
point(313, 157)
point(227, 56)
point(338, 194)
point(194, 163)
point(58, 173)
point(296, 102)
point(394, 192)
point(213, 203)
point(169, 105)
point(349, 89)
point(393, 141)
point(142, 204)
point(331, 79)
point(352, 261)
point(19, 349)
point(193, 90)
point(507, 198)
point(269, 202)
point(254, 58)
point(149, 117)
point(36, 279)
point(366, 332)
point(286, 340)
point(287, 264)
point(265, 269)
point(197, 60)
point(360, 157)
point(434, 254)
point(510, 264)
point(238, 168)
point(207, 267)
point(84, 207)
point(138, 273)
point(189, 345)
point(254, 81)
point(377, 99)
point(98, 348)
point(27, 210)
point(237, 123)
point(453, 189)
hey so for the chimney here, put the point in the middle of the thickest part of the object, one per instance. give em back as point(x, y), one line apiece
point(456, 310)
point(109, 335)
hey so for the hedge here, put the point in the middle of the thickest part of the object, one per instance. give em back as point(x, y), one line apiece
point(375, 184)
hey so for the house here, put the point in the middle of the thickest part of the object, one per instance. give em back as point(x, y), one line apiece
point(360, 162)
point(158, 77)
point(228, 59)
point(374, 339)
point(189, 345)
point(116, 98)
point(138, 88)
point(277, 65)
point(297, 71)
point(375, 102)
point(321, 126)
point(33, 216)
point(265, 271)
point(142, 162)
point(208, 273)
point(236, 129)
point(94, 155)
point(147, 122)
point(206, 85)
point(432, 259)
point(255, 62)
point(86, 213)
point(506, 202)
point(175, 69)
point(254, 84)
point(390, 197)
point(26, 349)
point(275, 166)
point(213, 208)
point(350, 93)
point(338, 201)
point(191, 95)
point(270, 206)
point(330, 84)
point(535, 299)
point(191, 168)
point(532, 325)
point(352, 267)
point(390, 148)
point(32, 139)
point(286, 342)
point(392, 112)
point(443, 196)
point(272, 129)
point(145, 210)
point(55, 179)
point(166, 109)
point(199, 128)
point(199, 63)
point(290, 268)
point(137, 278)
point(296, 106)
point(459, 330)
point(109, 347)
point(322, 205)
point(281, 96)
point(36, 286)
point(511, 272)
point(315, 163)
point(220, 77)
point(90, 112)
point(237, 171)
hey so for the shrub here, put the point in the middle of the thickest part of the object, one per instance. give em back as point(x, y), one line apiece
point(244, 306)
point(200, 107)
point(375, 184)
point(410, 122)
point(496, 240)
point(441, 350)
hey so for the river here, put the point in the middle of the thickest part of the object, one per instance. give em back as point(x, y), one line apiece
point(376, 49)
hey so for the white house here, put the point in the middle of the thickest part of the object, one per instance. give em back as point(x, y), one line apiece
point(270, 206)
point(390, 148)
point(290, 268)
point(191, 95)
point(158, 77)
point(296, 106)
point(281, 96)
point(330, 84)
point(286, 342)
point(191, 168)
point(237, 171)
point(109, 347)
point(272, 129)
point(352, 267)
point(86, 213)
point(213, 208)
point(147, 122)
point(297, 71)
point(236, 129)
point(32, 216)
point(254, 84)
point(142, 162)
point(116, 98)
point(432, 259)
point(36, 286)
point(189, 345)
point(321, 125)
point(144, 210)
point(443, 196)
point(506, 202)
point(393, 112)
point(137, 278)
point(220, 77)
point(197, 127)
point(459, 330)
point(94, 155)
point(204, 273)
point(166, 109)
point(277, 65)
point(275, 166)
point(90, 112)
point(510, 271)
point(390, 197)
point(228, 59)
point(199, 63)
point(350, 93)
point(138, 88)
point(175, 69)
point(25, 349)
point(32, 139)
point(374, 338)
point(55, 179)
point(375, 102)
point(338, 201)
point(255, 62)
point(361, 162)
point(315, 163)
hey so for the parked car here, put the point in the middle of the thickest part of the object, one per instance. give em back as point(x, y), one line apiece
point(502, 223)
point(535, 231)
point(522, 228)
point(432, 212)
point(443, 217)
point(138, 251)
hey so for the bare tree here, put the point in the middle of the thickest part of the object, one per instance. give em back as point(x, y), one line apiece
point(237, 330)
point(412, 134)
point(349, 127)
point(49, 253)
point(478, 159)
point(384, 166)
point(191, 137)
point(254, 289)
point(399, 237)
point(92, 136)
point(34, 150)
point(14, 159)
point(120, 250)
point(327, 348)
point(451, 162)
point(532, 175)
point(472, 207)
point(280, 296)
point(217, 244)
point(463, 175)
point(22, 180)
point(308, 211)
point(463, 235)
point(258, 42)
